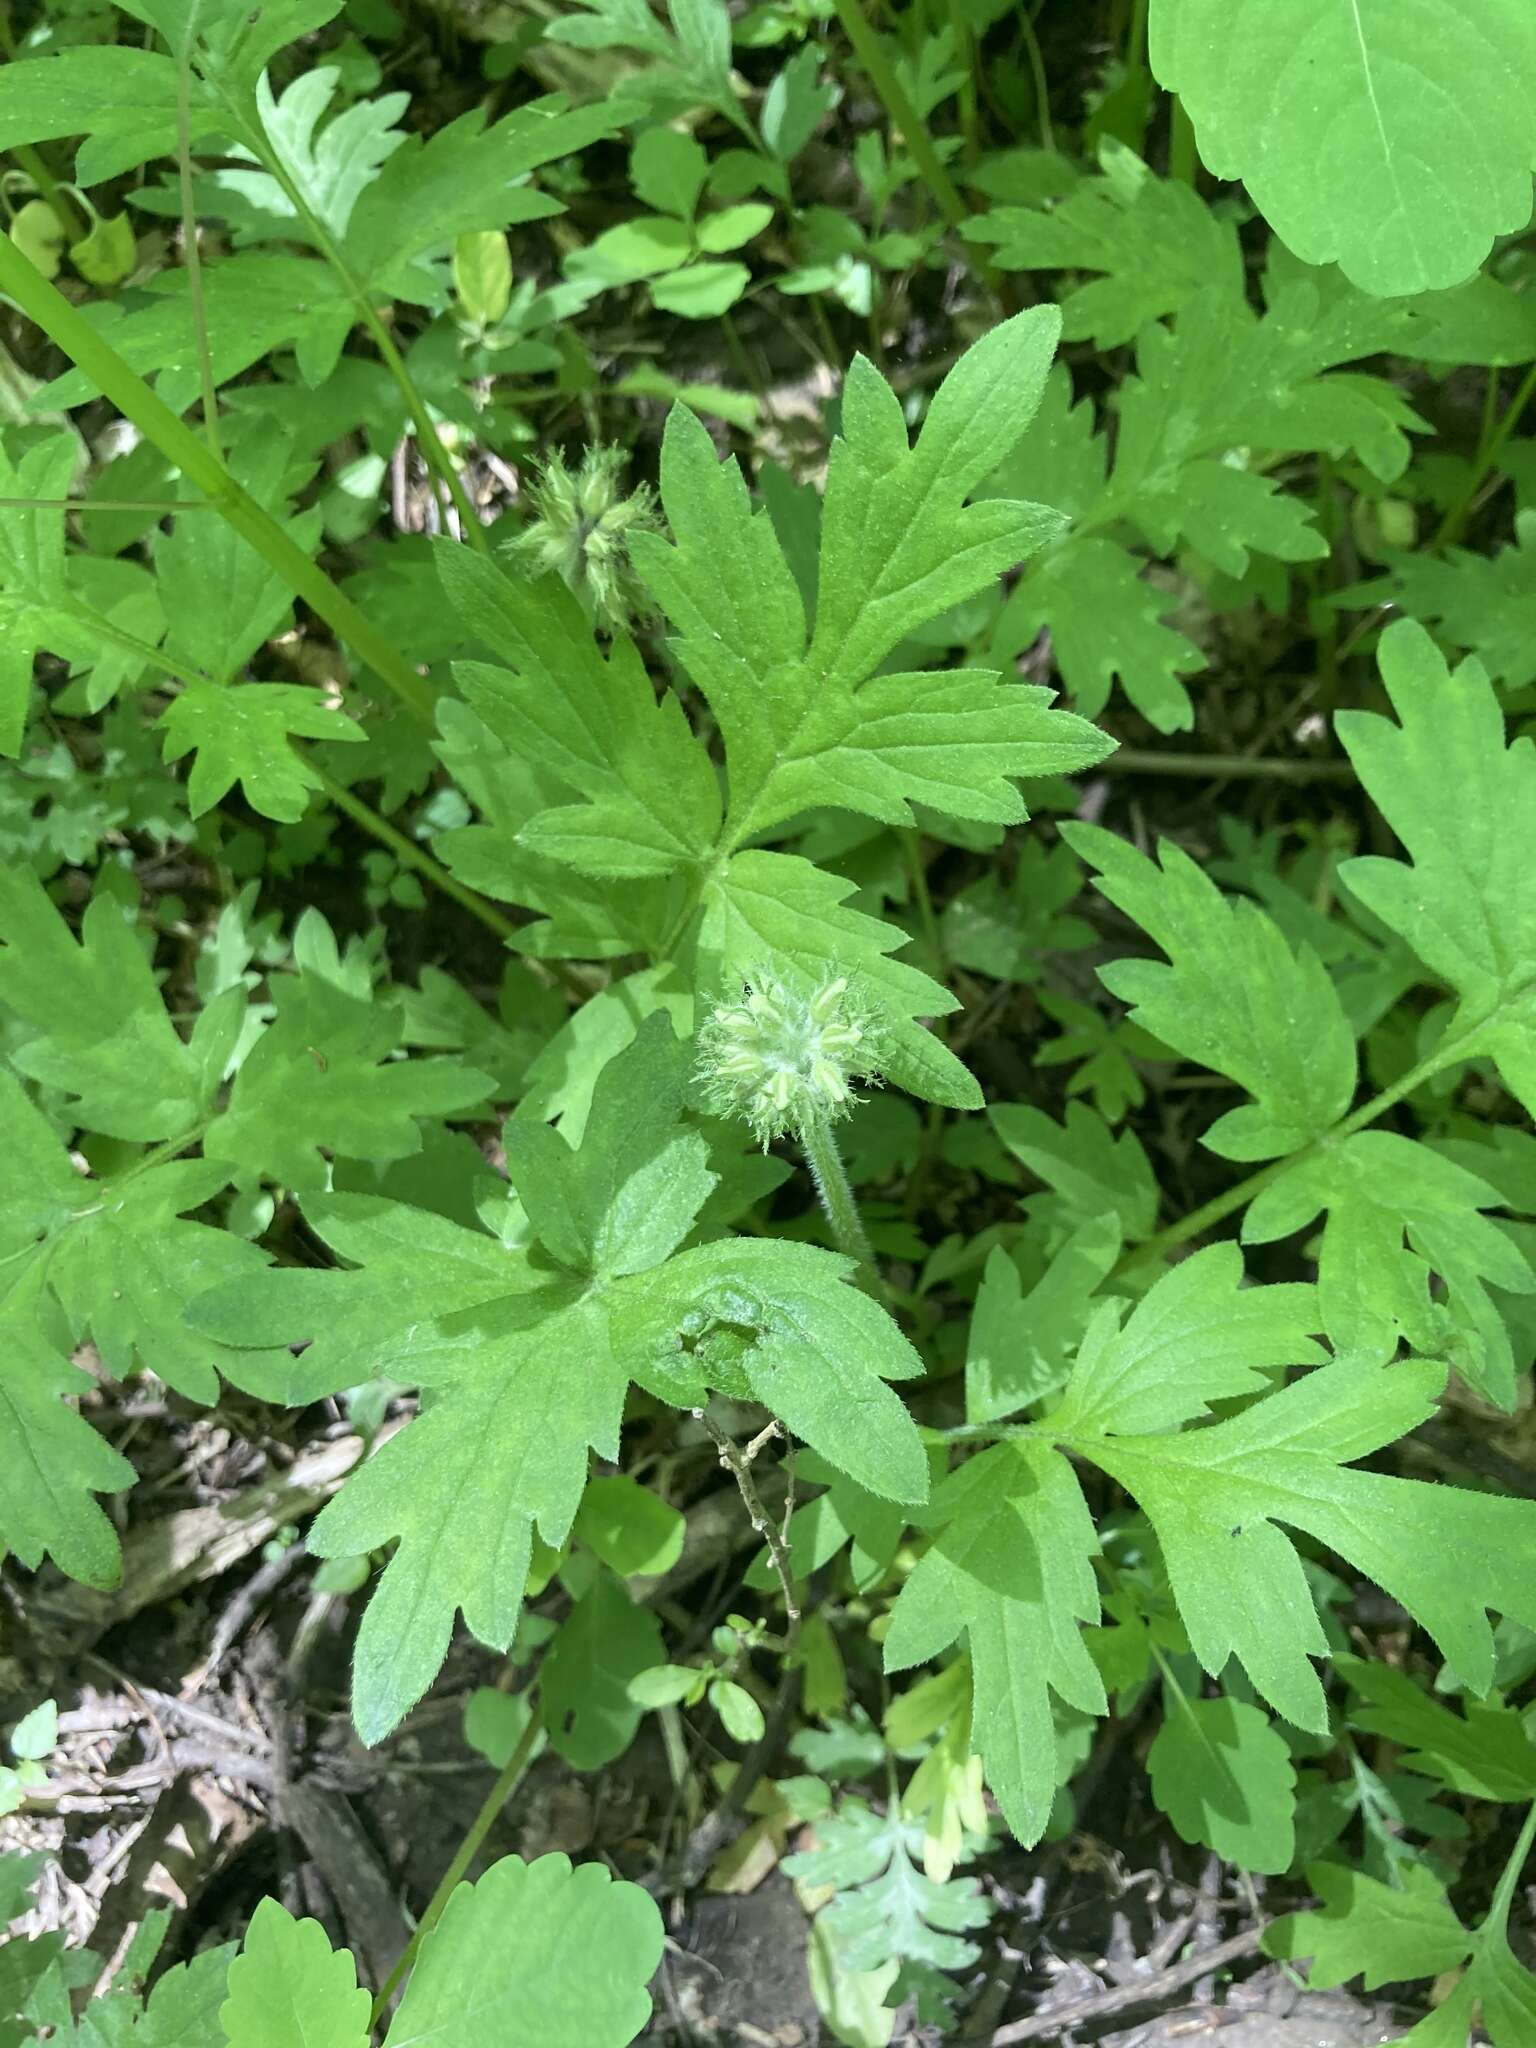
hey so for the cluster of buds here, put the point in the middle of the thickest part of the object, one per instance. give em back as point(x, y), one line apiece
point(581, 528)
point(784, 1061)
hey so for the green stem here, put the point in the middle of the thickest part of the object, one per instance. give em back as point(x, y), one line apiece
point(192, 255)
point(171, 1148)
point(965, 55)
point(914, 131)
point(479, 1828)
point(65, 212)
point(1182, 160)
point(1498, 1913)
point(43, 303)
point(917, 874)
point(1450, 527)
point(404, 849)
point(431, 443)
point(409, 854)
point(164, 506)
point(1152, 761)
point(1224, 1205)
point(1036, 57)
point(835, 1190)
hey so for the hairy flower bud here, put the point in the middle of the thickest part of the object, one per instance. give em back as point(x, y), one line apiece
point(581, 528)
point(783, 1060)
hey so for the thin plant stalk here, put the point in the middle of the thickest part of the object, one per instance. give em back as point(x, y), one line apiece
point(464, 1855)
point(92, 353)
point(835, 1191)
point(914, 131)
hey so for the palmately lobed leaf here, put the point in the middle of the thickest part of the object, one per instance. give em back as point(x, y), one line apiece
point(1235, 996)
point(1464, 805)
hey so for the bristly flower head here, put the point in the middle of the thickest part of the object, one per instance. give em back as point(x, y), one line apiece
point(783, 1060)
point(581, 528)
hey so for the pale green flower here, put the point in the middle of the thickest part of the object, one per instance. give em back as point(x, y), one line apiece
point(581, 528)
point(785, 1061)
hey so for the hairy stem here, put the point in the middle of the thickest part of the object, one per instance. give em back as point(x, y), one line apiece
point(836, 1192)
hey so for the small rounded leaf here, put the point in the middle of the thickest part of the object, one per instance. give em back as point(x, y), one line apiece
point(742, 1716)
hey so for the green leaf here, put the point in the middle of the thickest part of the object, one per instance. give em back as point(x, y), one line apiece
point(691, 59)
point(1377, 1932)
point(184, 2004)
point(123, 101)
point(819, 1355)
point(1094, 1173)
point(252, 306)
point(606, 1641)
point(125, 1264)
point(646, 246)
point(1485, 604)
point(667, 170)
point(1199, 1335)
point(1218, 1497)
point(229, 40)
point(732, 226)
point(243, 734)
point(1398, 1214)
point(845, 1516)
point(1223, 1775)
point(629, 1528)
point(775, 910)
point(1019, 1345)
point(521, 1374)
point(796, 103)
point(230, 599)
point(1467, 902)
point(1012, 1566)
point(1107, 623)
point(701, 291)
point(953, 741)
point(1483, 1752)
point(322, 1075)
point(740, 1715)
point(593, 725)
point(39, 607)
point(482, 274)
point(629, 1195)
point(465, 177)
point(899, 543)
point(501, 1445)
point(1008, 928)
point(1397, 159)
point(1235, 996)
point(287, 1989)
point(559, 1956)
point(95, 1024)
point(330, 170)
point(1154, 240)
point(1366, 1928)
point(36, 1735)
point(806, 724)
point(54, 1460)
point(886, 1909)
